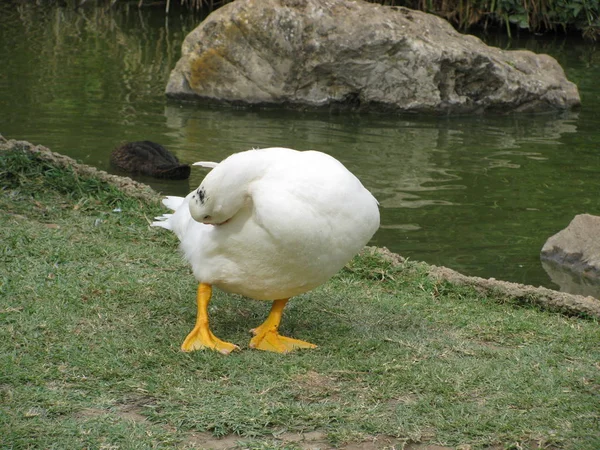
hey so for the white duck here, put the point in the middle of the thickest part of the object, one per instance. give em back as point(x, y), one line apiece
point(269, 224)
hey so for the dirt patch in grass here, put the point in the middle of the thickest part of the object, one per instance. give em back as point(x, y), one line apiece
point(131, 413)
point(317, 440)
point(130, 409)
point(309, 441)
point(89, 413)
point(313, 387)
point(306, 441)
point(208, 441)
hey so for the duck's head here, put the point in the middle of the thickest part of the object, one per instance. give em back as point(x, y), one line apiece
point(223, 192)
point(213, 208)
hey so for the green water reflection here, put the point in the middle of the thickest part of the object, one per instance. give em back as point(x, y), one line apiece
point(478, 194)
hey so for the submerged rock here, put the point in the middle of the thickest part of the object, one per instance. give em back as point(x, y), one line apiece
point(358, 55)
point(575, 249)
point(149, 158)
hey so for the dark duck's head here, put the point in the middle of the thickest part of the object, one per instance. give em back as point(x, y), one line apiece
point(149, 158)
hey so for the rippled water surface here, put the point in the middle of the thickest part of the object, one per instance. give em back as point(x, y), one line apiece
point(477, 194)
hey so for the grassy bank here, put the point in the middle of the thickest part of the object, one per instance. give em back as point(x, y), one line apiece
point(94, 305)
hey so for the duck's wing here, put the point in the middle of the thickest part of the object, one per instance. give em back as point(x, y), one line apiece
point(284, 214)
point(313, 196)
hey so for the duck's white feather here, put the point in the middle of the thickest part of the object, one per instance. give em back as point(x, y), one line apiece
point(172, 202)
point(209, 164)
point(288, 220)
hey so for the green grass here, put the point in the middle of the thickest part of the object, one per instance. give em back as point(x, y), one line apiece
point(94, 305)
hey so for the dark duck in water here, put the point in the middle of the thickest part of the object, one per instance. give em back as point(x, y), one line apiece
point(149, 158)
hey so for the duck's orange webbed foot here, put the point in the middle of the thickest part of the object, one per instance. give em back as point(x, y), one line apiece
point(266, 337)
point(201, 337)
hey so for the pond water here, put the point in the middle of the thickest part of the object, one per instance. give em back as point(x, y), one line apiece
point(478, 194)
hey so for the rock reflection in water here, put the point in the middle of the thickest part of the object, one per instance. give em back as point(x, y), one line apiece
point(572, 282)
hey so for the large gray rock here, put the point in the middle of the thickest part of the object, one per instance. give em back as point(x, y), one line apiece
point(361, 56)
point(576, 248)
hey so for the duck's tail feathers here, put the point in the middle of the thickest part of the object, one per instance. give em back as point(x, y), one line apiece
point(208, 164)
point(172, 202)
point(179, 220)
point(162, 221)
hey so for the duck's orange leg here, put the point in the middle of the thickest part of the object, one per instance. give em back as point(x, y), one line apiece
point(201, 336)
point(266, 336)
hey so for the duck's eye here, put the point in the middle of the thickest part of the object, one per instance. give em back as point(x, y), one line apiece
point(207, 217)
